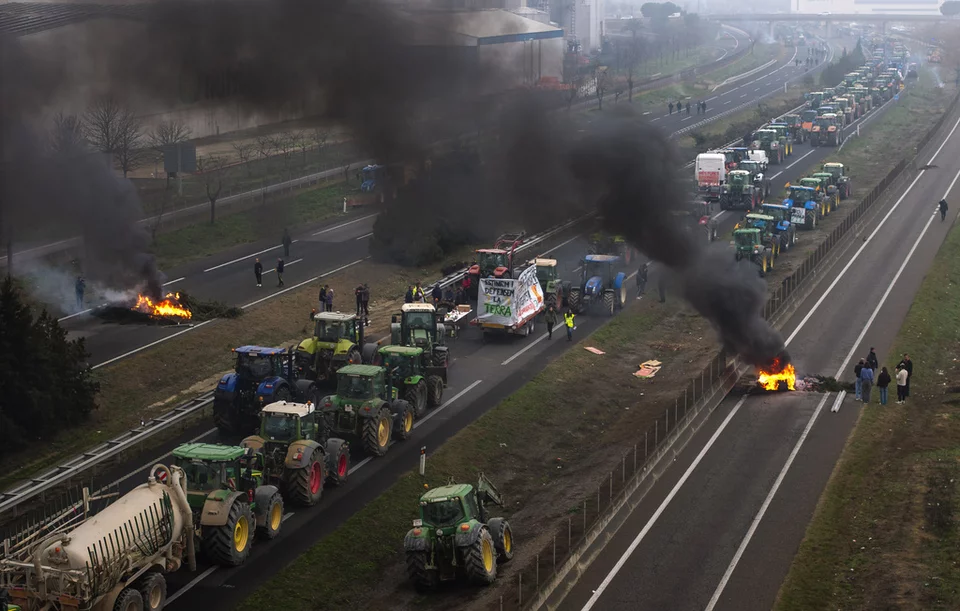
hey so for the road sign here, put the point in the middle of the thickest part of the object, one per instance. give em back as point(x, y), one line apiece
point(179, 157)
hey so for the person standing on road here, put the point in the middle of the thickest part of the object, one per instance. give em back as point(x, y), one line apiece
point(258, 272)
point(408, 298)
point(902, 378)
point(943, 210)
point(358, 293)
point(436, 294)
point(329, 298)
point(279, 272)
point(551, 319)
point(670, 105)
point(418, 293)
point(323, 297)
point(907, 364)
point(872, 360)
point(866, 382)
point(365, 302)
point(883, 381)
point(80, 287)
point(857, 383)
point(688, 108)
point(568, 321)
point(641, 280)
point(286, 243)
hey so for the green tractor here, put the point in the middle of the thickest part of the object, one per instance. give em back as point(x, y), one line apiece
point(337, 341)
point(454, 537)
point(820, 193)
point(784, 136)
point(767, 224)
point(422, 385)
point(795, 123)
point(300, 457)
point(757, 171)
point(228, 498)
point(739, 191)
point(768, 140)
point(419, 325)
point(606, 244)
point(830, 187)
point(366, 408)
point(749, 245)
point(840, 179)
point(553, 287)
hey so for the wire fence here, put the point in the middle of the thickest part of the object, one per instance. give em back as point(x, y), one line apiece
point(586, 521)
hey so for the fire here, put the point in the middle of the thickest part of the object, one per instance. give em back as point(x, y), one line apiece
point(169, 306)
point(770, 380)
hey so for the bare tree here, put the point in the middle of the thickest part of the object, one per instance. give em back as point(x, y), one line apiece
point(576, 87)
point(301, 140)
point(169, 132)
point(66, 137)
point(283, 144)
point(600, 81)
point(320, 138)
point(211, 169)
point(264, 146)
point(244, 150)
point(113, 128)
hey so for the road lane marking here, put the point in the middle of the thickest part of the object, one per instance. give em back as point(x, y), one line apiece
point(663, 506)
point(285, 265)
point(364, 236)
point(527, 347)
point(75, 314)
point(812, 151)
point(152, 344)
point(174, 281)
point(245, 257)
point(728, 101)
point(561, 245)
point(305, 282)
point(190, 585)
point(765, 506)
point(342, 267)
point(342, 225)
point(869, 239)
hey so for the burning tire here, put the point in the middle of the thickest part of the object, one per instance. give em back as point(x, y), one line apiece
point(304, 486)
point(376, 433)
point(337, 461)
point(229, 545)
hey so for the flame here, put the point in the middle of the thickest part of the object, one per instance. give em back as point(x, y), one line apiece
point(770, 380)
point(169, 306)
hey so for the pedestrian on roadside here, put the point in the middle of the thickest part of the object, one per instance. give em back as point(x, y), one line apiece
point(872, 360)
point(329, 298)
point(907, 364)
point(286, 243)
point(358, 293)
point(461, 297)
point(943, 210)
point(902, 378)
point(688, 108)
point(279, 272)
point(704, 106)
point(80, 287)
point(551, 319)
point(418, 293)
point(258, 272)
point(642, 280)
point(568, 321)
point(408, 298)
point(449, 295)
point(883, 381)
point(436, 294)
point(322, 297)
point(857, 384)
point(671, 107)
point(365, 302)
point(866, 382)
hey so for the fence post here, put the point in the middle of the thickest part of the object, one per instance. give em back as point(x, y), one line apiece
point(666, 415)
point(584, 517)
point(646, 435)
point(520, 584)
point(611, 488)
point(634, 458)
point(569, 534)
point(623, 469)
point(554, 553)
point(536, 573)
point(656, 434)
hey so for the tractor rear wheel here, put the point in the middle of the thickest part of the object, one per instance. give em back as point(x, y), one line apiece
point(130, 599)
point(354, 356)
point(434, 391)
point(225, 417)
point(502, 538)
point(480, 559)
point(229, 545)
point(376, 433)
point(273, 518)
point(304, 486)
point(337, 461)
point(282, 395)
point(423, 579)
point(551, 300)
point(153, 591)
point(403, 417)
point(608, 303)
point(416, 395)
point(573, 300)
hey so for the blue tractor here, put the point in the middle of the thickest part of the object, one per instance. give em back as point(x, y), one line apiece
point(261, 376)
point(784, 223)
point(807, 208)
point(601, 286)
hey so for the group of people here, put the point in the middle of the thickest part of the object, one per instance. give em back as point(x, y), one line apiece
point(258, 266)
point(701, 107)
point(866, 377)
point(552, 317)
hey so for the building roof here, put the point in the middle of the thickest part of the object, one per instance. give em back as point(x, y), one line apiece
point(209, 451)
point(483, 27)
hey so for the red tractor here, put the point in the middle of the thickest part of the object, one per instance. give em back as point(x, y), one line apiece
point(496, 262)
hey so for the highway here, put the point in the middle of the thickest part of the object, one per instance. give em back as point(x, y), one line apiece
point(720, 529)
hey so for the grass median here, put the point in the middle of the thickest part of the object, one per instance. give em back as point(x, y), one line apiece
point(885, 533)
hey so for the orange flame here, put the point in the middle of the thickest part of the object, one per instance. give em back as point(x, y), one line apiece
point(770, 380)
point(170, 306)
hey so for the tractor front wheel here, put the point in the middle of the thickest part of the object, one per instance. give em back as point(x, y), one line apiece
point(423, 578)
point(608, 302)
point(337, 457)
point(416, 395)
point(480, 560)
point(434, 391)
point(574, 302)
point(304, 486)
point(376, 433)
point(273, 518)
point(229, 545)
point(403, 417)
point(502, 538)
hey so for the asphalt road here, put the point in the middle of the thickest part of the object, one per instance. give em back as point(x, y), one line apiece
point(720, 530)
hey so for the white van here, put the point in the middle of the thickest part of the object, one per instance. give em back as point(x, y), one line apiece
point(710, 172)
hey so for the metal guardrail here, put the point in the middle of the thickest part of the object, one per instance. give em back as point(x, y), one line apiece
point(61, 474)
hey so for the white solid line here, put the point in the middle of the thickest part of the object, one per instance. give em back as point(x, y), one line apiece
point(856, 255)
point(559, 246)
point(286, 517)
point(839, 401)
point(243, 258)
point(717, 216)
point(364, 236)
point(285, 265)
point(151, 344)
point(765, 506)
point(75, 314)
point(812, 151)
point(359, 465)
point(777, 174)
point(663, 506)
point(340, 226)
point(342, 267)
point(446, 404)
point(728, 101)
point(743, 96)
point(190, 585)
point(527, 347)
point(174, 281)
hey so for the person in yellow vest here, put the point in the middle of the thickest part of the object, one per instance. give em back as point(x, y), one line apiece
point(568, 321)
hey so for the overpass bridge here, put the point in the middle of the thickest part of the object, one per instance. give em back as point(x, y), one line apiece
point(827, 18)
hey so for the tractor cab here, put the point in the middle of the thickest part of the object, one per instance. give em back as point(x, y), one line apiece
point(807, 119)
point(210, 467)
point(416, 325)
point(261, 375)
point(257, 363)
point(285, 422)
point(337, 341)
point(780, 213)
point(491, 262)
point(598, 272)
point(814, 183)
point(361, 382)
point(747, 241)
point(814, 99)
point(547, 274)
point(402, 362)
point(840, 179)
point(372, 177)
point(763, 222)
point(826, 123)
point(755, 169)
point(800, 196)
point(737, 180)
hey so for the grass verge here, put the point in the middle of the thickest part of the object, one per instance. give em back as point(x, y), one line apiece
point(885, 533)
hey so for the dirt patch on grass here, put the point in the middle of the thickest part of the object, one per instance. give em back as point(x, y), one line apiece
point(885, 533)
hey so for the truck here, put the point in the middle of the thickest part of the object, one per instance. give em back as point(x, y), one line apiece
point(601, 285)
point(337, 340)
point(496, 262)
point(454, 536)
point(740, 192)
point(509, 306)
point(710, 172)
